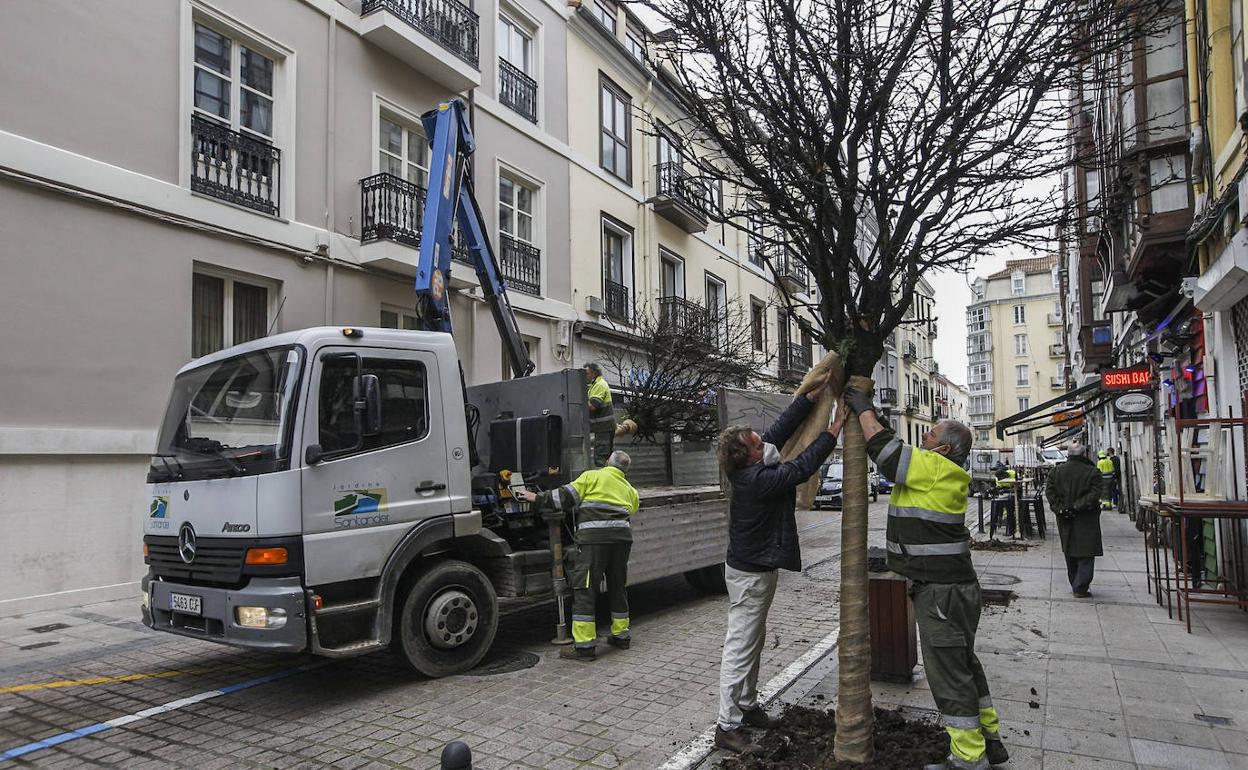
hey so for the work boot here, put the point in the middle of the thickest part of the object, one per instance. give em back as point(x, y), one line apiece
point(950, 764)
point(583, 654)
point(733, 740)
point(757, 717)
point(622, 642)
point(1083, 594)
point(995, 751)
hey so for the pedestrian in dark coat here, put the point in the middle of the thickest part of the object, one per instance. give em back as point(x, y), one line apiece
point(1074, 492)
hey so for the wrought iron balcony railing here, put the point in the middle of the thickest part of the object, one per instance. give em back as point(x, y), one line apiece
point(794, 361)
point(393, 209)
point(912, 403)
point(618, 301)
point(452, 24)
point(235, 167)
point(791, 270)
point(888, 396)
point(521, 264)
point(517, 90)
point(678, 315)
point(680, 197)
point(911, 353)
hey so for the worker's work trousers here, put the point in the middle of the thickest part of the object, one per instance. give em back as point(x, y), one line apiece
point(593, 563)
point(1079, 571)
point(948, 616)
point(604, 445)
point(749, 600)
point(1107, 491)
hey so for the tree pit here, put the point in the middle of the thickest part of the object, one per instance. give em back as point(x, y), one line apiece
point(804, 738)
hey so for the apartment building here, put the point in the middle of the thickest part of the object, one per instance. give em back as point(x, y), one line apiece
point(949, 399)
point(1015, 347)
point(193, 174)
point(904, 386)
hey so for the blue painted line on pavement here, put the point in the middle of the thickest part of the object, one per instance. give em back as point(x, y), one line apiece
point(82, 732)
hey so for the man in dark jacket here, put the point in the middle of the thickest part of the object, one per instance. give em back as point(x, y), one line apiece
point(762, 537)
point(1074, 490)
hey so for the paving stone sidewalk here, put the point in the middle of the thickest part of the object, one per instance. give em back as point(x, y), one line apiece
point(1111, 682)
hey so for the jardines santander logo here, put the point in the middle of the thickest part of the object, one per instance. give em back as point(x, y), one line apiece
point(361, 508)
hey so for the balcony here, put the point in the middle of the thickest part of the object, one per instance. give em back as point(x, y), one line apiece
point(617, 301)
point(888, 396)
point(1057, 383)
point(911, 353)
point(1055, 319)
point(679, 316)
point(422, 32)
point(1096, 341)
point(235, 167)
point(517, 90)
point(794, 361)
point(679, 197)
point(392, 211)
point(982, 420)
point(791, 272)
point(1057, 351)
point(912, 404)
point(520, 264)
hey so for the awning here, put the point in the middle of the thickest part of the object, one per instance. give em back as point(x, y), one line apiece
point(1058, 438)
point(1041, 411)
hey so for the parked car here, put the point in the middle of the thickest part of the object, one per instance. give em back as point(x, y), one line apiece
point(831, 483)
point(880, 485)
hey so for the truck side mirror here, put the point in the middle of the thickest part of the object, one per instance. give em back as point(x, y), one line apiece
point(313, 454)
point(368, 404)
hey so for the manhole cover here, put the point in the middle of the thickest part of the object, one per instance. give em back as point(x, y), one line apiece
point(997, 579)
point(48, 628)
point(998, 596)
point(505, 664)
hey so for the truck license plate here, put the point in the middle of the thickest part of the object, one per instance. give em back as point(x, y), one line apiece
point(191, 605)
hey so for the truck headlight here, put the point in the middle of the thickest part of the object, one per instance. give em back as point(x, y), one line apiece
point(260, 617)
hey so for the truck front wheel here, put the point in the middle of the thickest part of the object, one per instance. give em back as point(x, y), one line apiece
point(446, 620)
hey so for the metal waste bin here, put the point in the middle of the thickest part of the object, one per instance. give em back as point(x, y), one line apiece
point(894, 634)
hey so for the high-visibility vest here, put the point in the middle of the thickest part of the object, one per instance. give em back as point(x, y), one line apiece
point(1105, 466)
point(604, 502)
point(1010, 479)
point(926, 536)
point(601, 413)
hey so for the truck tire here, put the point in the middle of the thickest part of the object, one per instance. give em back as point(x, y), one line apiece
point(708, 580)
point(446, 620)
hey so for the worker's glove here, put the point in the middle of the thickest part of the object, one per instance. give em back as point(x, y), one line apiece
point(860, 401)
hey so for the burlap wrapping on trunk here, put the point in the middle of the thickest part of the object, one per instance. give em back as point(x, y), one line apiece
point(817, 421)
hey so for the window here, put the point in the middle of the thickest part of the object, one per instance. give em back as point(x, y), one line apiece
point(515, 209)
point(233, 83)
point(1167, 179)
point(1163, 51)
point(635, 45)
point(604, 12)
point(1020, 314)
point(977, 319)
point(981, 436)
point(1018, 283)
point(1022, 375)
point(979, 289)
point(754, 237)
point(404, 403)
point(225, 312)
point(395, 318)
point(617, 269)
point(530, 346)
point(403, 151)
point(1056, 276)
point(1167, 109)
point(616, 127)
point(1237, 55)
point(1020, 344)
point(671, 275)
point(717, 308)
point(515, 45)
point(1024, 404)
point(758, 324)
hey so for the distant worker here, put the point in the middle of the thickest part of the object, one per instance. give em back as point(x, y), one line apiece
point(1106, 467)
point(601, 414)
point(1073, 489)
point(927, 541)
point(1003, 507)
point(1115, 494)
point(762, 538)
point(603, 502)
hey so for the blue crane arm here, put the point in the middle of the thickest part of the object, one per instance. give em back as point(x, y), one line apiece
point(450, 198)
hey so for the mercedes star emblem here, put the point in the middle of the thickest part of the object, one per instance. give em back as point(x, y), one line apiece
point(186, 543)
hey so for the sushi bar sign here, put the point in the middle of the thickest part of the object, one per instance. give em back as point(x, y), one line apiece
point(1132, 392)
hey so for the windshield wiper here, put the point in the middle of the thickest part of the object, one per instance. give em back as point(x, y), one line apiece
point(216, 449)
point(164, 460)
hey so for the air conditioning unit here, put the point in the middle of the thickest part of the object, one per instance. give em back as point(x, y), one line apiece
point(594, 306)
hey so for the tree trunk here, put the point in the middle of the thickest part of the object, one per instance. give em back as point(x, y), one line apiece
point(855, 720)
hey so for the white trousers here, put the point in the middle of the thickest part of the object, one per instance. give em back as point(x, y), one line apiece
point(749, 599)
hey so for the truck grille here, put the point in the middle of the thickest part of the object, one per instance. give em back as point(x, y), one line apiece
point(218, 562)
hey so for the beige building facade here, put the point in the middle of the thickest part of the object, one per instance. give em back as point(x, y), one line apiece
point(1015, 347)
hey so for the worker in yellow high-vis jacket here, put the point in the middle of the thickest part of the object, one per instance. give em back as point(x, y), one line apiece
point(604, 503)
point(601, 414)
point(928, 542)
point(1106, 467)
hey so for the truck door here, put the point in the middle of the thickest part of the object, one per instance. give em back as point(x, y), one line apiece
point(366, 491)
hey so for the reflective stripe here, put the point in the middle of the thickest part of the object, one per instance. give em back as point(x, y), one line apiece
point(890, 449)
point(912, 512)
point(584, 619)
point(929, 549)
point(968, 764)
point(620, 615)
point(571, 490)
point(593, 505)
point(903, 464)
point(960, 723)
point(603, 524)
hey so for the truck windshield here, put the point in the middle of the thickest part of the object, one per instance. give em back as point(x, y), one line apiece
point(229, 418)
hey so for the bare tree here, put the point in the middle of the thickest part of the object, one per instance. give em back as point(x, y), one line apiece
point(875, 141)
point(677, 358)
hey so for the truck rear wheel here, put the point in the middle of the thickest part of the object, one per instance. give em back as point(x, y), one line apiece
point(446, 621)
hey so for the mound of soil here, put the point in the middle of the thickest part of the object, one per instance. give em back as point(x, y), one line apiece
point(1001, 545)
point(804, 739)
